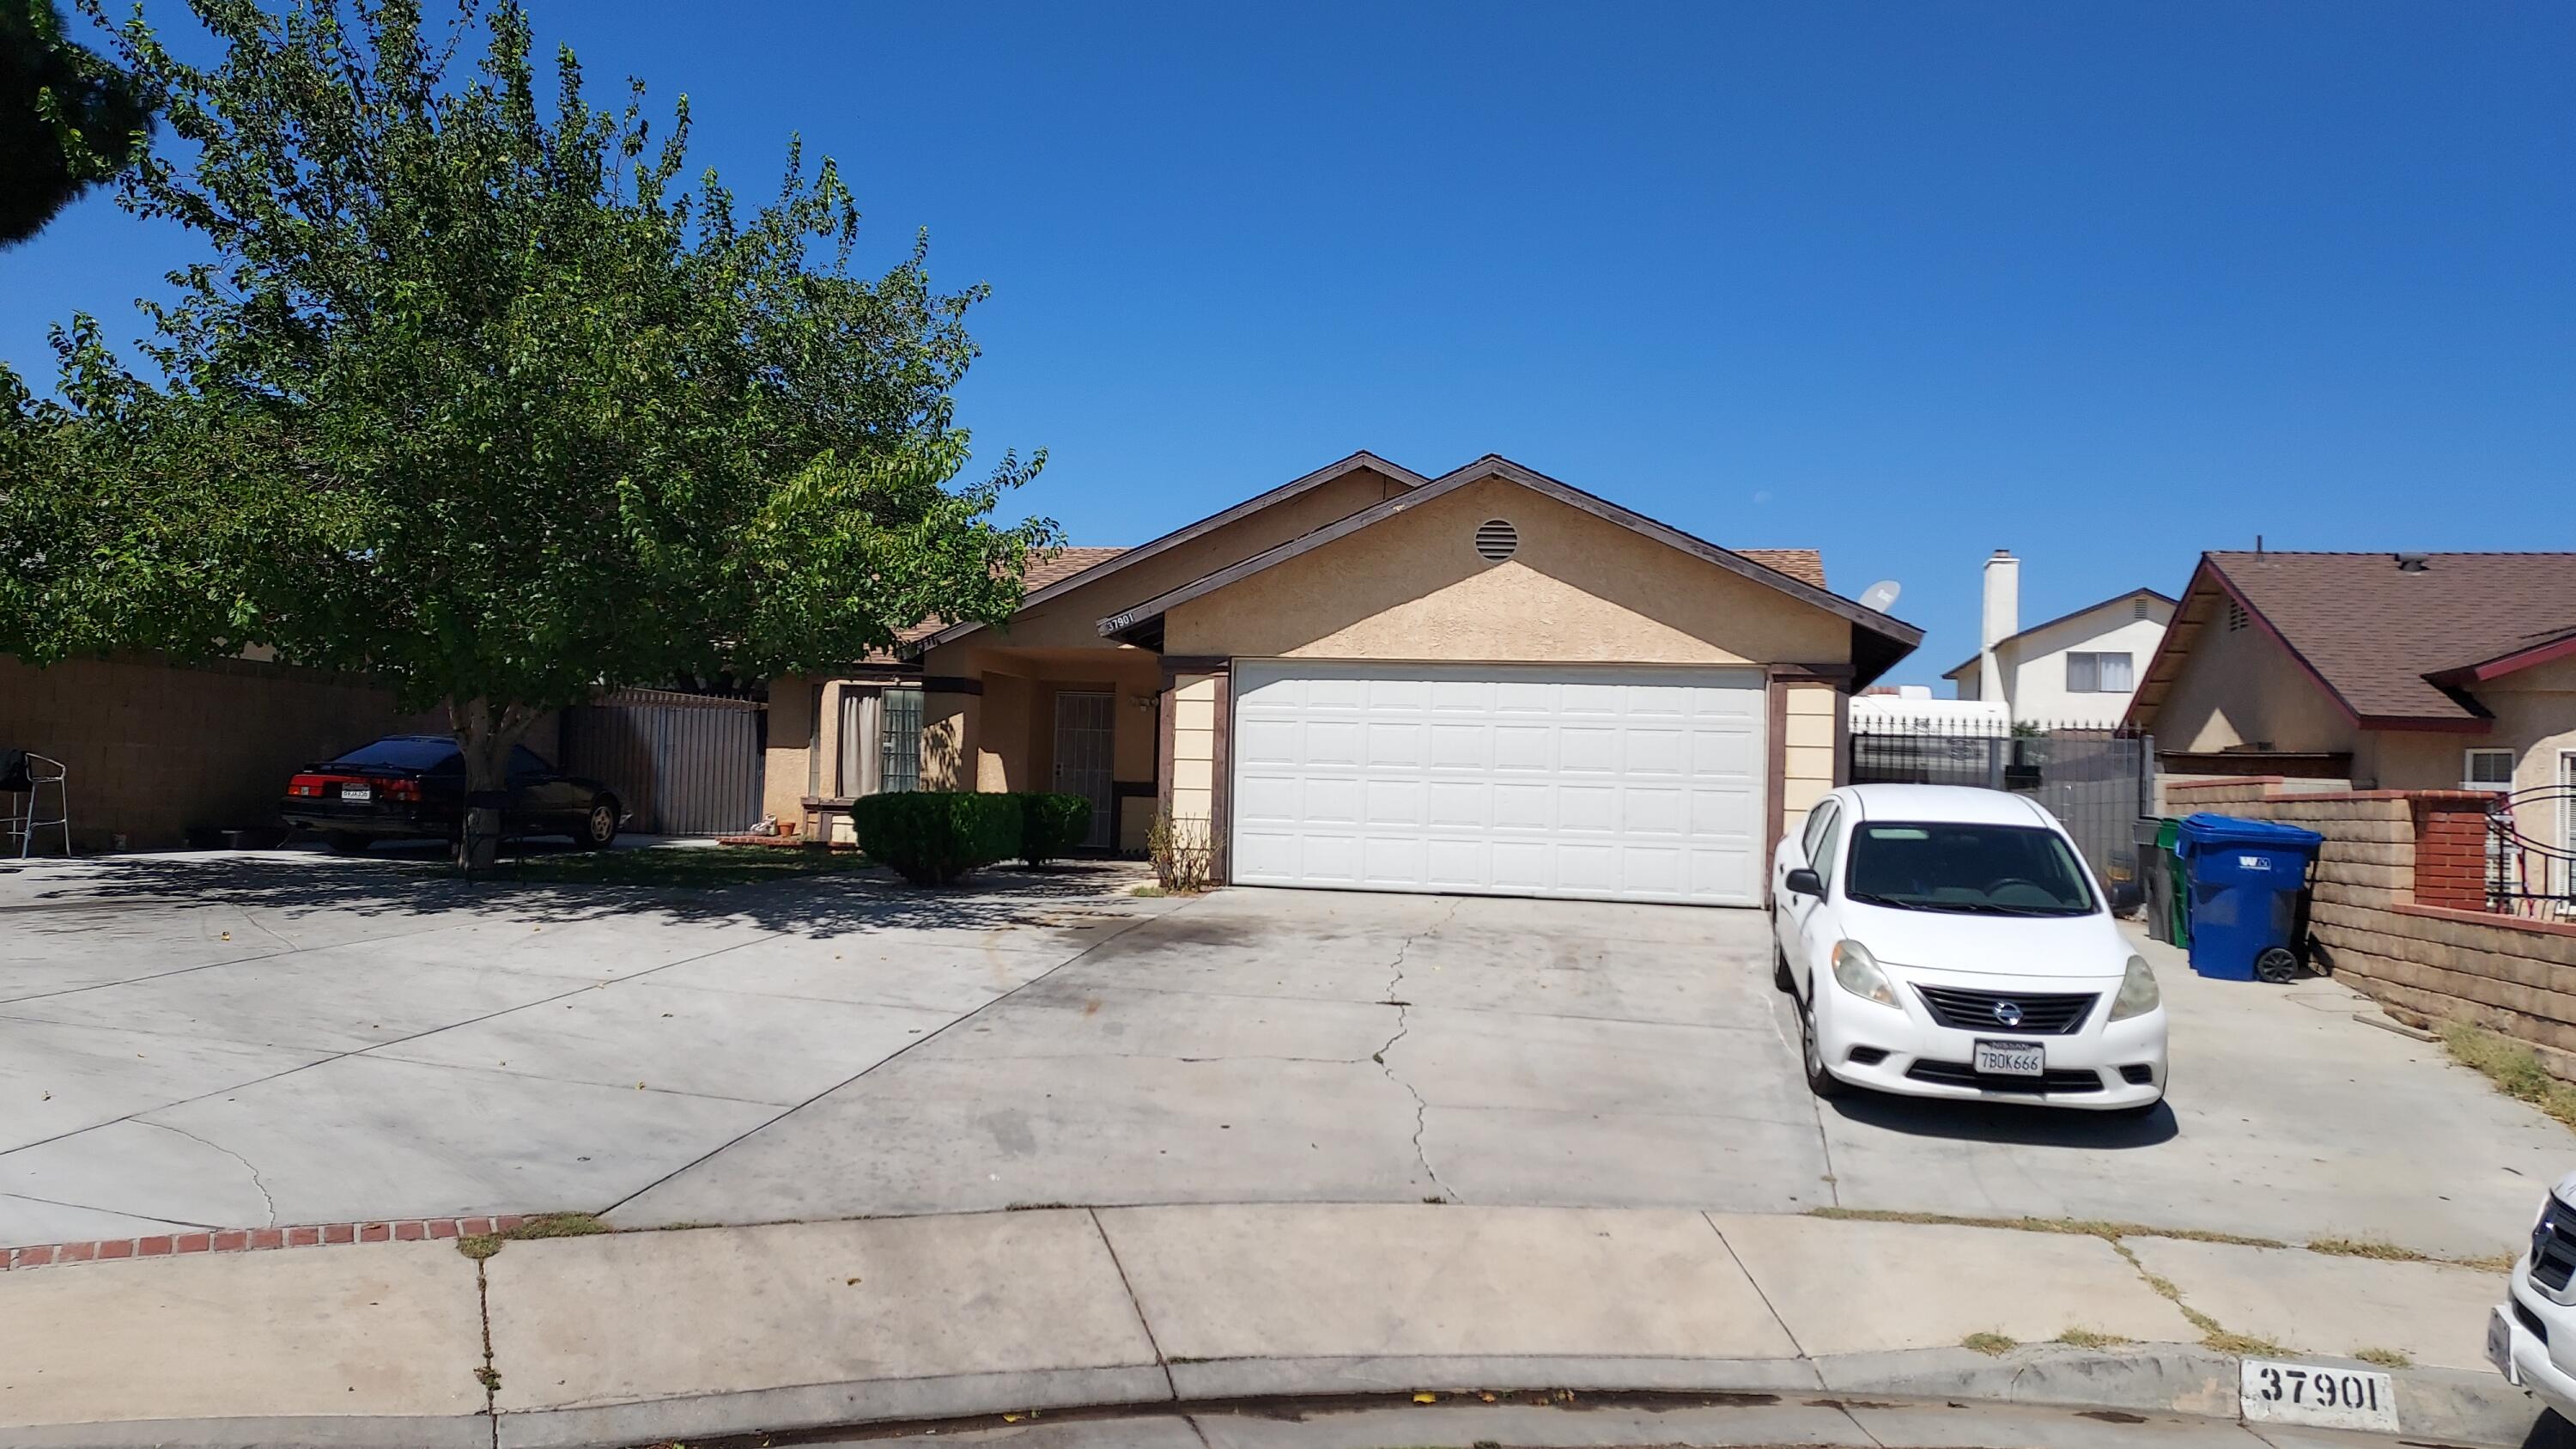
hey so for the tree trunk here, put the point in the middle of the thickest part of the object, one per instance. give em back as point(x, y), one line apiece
point(486, 736)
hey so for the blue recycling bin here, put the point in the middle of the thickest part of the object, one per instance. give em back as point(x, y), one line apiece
point(2249, 879)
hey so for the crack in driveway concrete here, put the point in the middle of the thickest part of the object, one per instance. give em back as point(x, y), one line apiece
point(1404, 1025)
point(256, 1184)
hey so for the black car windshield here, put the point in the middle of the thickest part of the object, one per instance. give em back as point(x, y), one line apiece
point(402, 753)
point(2004, 870)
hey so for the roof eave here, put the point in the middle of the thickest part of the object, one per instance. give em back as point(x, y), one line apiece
point(1127, 622)
point(2514, 662)
point(1285, 491)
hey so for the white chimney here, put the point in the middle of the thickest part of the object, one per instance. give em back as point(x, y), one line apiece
point(2001, 621)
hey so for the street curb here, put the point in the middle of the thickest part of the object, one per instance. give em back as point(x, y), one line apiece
point(2443, 1405)
point(356, 1431)
point(829, 1406)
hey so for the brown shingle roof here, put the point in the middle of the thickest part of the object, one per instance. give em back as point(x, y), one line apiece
point(2373, 631)
point(1043, 569)
point(1806, 565)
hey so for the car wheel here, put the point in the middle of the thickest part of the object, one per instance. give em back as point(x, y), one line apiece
point(1781, 980)
point(599, 827)
point(1811, 1049)
point(344, 843)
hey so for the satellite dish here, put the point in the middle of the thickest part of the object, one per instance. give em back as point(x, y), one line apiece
point(1881, 594)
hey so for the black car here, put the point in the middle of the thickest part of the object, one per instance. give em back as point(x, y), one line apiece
point(408, 786)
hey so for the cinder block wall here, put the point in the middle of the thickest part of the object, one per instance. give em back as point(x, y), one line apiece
point(155, 748)
point(2398, 910)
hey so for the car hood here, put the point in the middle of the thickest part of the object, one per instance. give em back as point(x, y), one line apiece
point(2088, 946)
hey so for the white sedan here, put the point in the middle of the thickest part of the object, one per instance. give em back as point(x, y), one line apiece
point(1949, 942)
point(2531, 1337)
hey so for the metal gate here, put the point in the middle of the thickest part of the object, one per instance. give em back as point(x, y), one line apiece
point(681, 764)
point(1084, 735)
point(2096, 781)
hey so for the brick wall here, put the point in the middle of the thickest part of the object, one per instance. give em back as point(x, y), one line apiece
point(2397, 909)
point(154, 749)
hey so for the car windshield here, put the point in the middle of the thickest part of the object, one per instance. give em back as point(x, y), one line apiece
point(2004, 870)
point(401, 753)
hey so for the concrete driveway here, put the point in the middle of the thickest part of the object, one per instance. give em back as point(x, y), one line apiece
point(245, 1041)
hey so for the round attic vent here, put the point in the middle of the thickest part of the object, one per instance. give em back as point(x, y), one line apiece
point(1497, 540)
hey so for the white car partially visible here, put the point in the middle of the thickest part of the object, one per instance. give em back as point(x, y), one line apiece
point(2531, 1336)
point(1943, 941)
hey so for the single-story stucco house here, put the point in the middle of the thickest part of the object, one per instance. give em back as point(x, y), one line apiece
point(2394, 671)
point(1488, 681)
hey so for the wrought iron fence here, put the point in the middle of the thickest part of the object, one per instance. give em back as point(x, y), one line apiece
point(2531, 853)
point(2097, 781)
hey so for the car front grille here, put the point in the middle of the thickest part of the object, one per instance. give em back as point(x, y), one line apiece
point(2553, 1247)
point(2035, 1014)
point(2066, 1081)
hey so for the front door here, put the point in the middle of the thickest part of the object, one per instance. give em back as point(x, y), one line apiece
point(1083, 732)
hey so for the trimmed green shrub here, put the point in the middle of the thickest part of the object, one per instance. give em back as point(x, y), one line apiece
point(1051, 825)
point(931, 837)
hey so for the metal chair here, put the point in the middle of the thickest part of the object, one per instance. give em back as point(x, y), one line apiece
point(24, 776)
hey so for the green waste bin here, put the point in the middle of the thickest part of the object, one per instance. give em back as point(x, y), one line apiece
point(2177, 912)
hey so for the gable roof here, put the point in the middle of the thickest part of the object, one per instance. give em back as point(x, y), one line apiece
point(1964, 665)
point(2393, 647)
point(1890, 639)
point(1057, 584)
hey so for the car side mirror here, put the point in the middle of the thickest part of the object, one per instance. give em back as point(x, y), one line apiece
point(1805, 882)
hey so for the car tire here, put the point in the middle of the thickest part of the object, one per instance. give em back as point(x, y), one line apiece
point(1781, 980)
point(343, 842)
point(1811, 1054)
point(598, 829)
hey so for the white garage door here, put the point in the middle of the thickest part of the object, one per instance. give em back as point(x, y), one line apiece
point(1600, 783)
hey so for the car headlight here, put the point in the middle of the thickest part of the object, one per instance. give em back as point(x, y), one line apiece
point(1857, 972)
point(2138, 993)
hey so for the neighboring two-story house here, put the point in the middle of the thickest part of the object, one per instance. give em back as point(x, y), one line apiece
point(2078, 669)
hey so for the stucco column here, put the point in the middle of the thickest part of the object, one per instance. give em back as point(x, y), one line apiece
point(951, 731)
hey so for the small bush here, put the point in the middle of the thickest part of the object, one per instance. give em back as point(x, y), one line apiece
point(1182, 855)
point(1051, 825)
point(932, 837)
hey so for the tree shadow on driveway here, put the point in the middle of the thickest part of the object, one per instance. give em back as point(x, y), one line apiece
point(822, 904)
point(2008, 1122)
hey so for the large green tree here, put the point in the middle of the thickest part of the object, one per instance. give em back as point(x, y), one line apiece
point(473, 395)
point(68, 120)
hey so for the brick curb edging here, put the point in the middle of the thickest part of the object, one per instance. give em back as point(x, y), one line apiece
point(245, 1240)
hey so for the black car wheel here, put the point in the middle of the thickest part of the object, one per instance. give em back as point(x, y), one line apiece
point(599, 827)
point(1819, 1081)
point(343, 842)
point(1781, 980)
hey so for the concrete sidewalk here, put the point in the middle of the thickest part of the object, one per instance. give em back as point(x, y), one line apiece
point(633, 1337)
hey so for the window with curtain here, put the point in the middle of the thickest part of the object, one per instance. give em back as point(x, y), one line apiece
point(2098, 674)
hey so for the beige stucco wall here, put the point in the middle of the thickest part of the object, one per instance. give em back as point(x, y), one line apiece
point(950, 730)
point(1194, 706)
point(2240, 686)
point(1808, 753)
point(783, 763)
point(2535, 717)
point(1073, 619)
point(1579, 590)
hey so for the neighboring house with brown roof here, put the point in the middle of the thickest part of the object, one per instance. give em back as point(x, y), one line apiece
point(1488, 681)
point(2394, 671)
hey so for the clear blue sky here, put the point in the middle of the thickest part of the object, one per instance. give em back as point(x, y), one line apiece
point(2107, 284)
